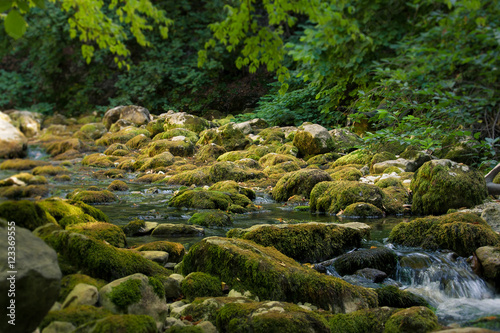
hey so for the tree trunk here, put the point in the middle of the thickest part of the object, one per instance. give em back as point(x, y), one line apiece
point(493, 189)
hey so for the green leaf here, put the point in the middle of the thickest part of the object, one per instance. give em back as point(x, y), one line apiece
point(23, 5)
point(5, 5)
point(40, 3)
point(15, 25)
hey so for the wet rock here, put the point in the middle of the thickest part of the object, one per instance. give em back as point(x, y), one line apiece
point(489, 257)
point(137, 115)
point(313, 139)
point(379, 258)
point(170, 229)
point(93, 197)
point(13, 143)
point(440, 185)
point(36, 282)
point(211, 219)
point(372, 274)
point(110, 233)
point(417, 319)
point(397, 298)
point(176, 251)
point(25, 214)
point(362, 210)
point(82, 294)
point(159, 257)
point(231, 171)
point(305, 242)
point(299, 182)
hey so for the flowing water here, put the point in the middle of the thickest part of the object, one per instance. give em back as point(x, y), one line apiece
point(444, 279)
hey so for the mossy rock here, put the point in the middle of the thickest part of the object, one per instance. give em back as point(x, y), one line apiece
point(313, 139)
point(198, 177)
point(125, 323)
point(177, 230)
point(199, 284)
point(100, 260)
point(91, 131)
point(396, 298)
point(178, 146)
point(60, 208)
point(345, 173)
point(150, 178)
point(359, 156)
point(395, 197)
point(273, 159)
point(227, 136)
point(108, 232)
point(69, 282)
point(49, 170)
point(201, 199)
point(361, 321)
point(305, 242)
point(289, 149)
point(26, 178)
point(25, 214)
point(117, 149)
point(77, 316)
point(70, 220)
point(232, 187)
point(185, 120)
point(232, 156)
point(344, 140)
point(362, 210)
point(299, 182)
point(176, 251)
point(269, 274)
point(59, 147)
point(232, 171)
point(440, 185)
point(169, 134)
point(138, 142)
point(161, 160)
point(269, 317)
point(323, 159)
point(490, 323)
point(272, 135)
point(389, 181)
point(121, 136)
point(155, 126)
point(211, 219)
point(21, 164)
point(380, 258)
point(134, 227)
point(281, 168)
point(94, 197)
point(118, 185)
point(99, 160)
point(417, 319)
point(334, 196)
point(209, 152)
point(460, 232)
point(381, 157)
point(21, 192)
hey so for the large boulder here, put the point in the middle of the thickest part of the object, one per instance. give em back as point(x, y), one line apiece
point(137, 115)
point(28, 122)
point(334, 196)
point(489, 257)
point(379, 258)
point(313, 139)
point(300, 182)
point(462, 233)
point(13, 143)
point(344, 140)
point(440, 185)
point(184, 120)
point(306, 242)
point(202, 199)
point(30, 282)
point(269, 274)
point(228, 136)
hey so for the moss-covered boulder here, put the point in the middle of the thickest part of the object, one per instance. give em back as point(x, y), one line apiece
point(60, 208)
point(489, 258)
point(138, 142)
point(177, 230)
point(199, 284)
point(380, 258)
point(299, 182)
point(359, 156)
point(264, 317)
point(344, 140)
point(69, 282)
point(289, 149)
point(233, 187)
point(118, 185)
point(117, 149)
point(396, 298)
point(362, 210)
point(77, 316)
point(203, 199)
point(345, 173)
point(49, 170)
point(169, 134)
point(23, 192)
point(21, 164)
point(23, 179)
point(462, 233)
point(107, 232)
point(161, 160)
point(313, 139)
point(99, 260)
point(122, 136)
point(126, 323)
point(395, 199)
point(232, 156)
point(440, 185)
point(99, 160)
point(305, 242)
point(137, 115)
point(184, 120)
point(232, 171)
point(361, 321)
point(91, 131)
point(417, 319)
point(93, 197)
point(215, 218)
point(59, 147)
point(273, 159)
point(209, 152)
point(323, 159)
point(177, 146)
point(272, 135)
point(334, 196)
point(25, 214)
point(176, 251)
point(281, 168)
point(381, 157)
point(199, 177)
point(227, 136)
point(269, 274)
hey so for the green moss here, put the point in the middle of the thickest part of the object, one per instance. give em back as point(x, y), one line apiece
point(209, 153)
point(363, 210)
point(26, 214)
point(99, 160)
point(199, 284)
point(161, 160)
point(417, 319)
point(211, 219)
point(49, 170)
point(288, 148)
point(133, 227)
point(92, 211)
point(138, 142)
point(118, 185)
point(302, 208)
point(187, 121)
point(91, 131)
point(117, 149)
point(95, 197)
point(332, 197)
point(298, 183)
point(100, 260)
point(462, 233)
point(69, 282)
point(176, 251)
point(108, 232)
point(361, 321)
point(356, 157)
point(232, 187)
point(381, 157)
point(308, 242)
point(21, 164)
point(323, 159)
point(272, 135)
point(125, 324)
point(441, 184)
point(62, 178)
point(392, 169)
point(19, 192)
point(281, 168)
point(177, 148)
point(226, 136)
point(309, 146)
point(231, 171)
point(121, 136)
point(395, 298)
point(395, 197)
point(489, 323)
point(155, 127)
point(380, 258)
point(199, 177)
point(273, 159)
point(190, 135)
point(126, 294)
point(271, 275)
point(77, 315)
point(343, 173)
point(390, 181)
point(157, 285)
point(75, 219)
point(59, 147)
point(232, 156)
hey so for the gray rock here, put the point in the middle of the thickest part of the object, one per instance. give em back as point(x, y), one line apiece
point(312, 139)
point(160, 257)
point(491, 214)
point(82, 294)
point(345, 140)
point(252, 126)
point(400, 163)
point(137, 115)
point(13, 143)
point(59, 327)
point(372, 274)
point(489, 257)
point(173, 286)
point(36, 284)
point(207, 327)
point(184, 120)
point(27, 122)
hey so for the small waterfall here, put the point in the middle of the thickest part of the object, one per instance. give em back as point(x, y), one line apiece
point(448, 283)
